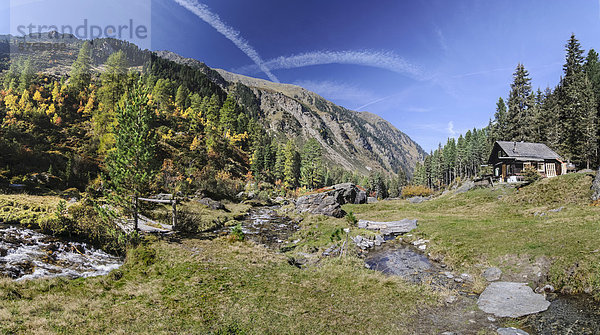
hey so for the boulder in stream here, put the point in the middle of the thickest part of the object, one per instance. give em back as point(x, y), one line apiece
point(508, 299)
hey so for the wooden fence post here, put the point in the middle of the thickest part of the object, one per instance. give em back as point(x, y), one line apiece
point(174, 212)
point(135, 213)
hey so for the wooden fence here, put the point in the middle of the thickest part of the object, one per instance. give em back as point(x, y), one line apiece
point(172, 202)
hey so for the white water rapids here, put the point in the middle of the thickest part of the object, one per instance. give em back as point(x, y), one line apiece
point(27, 254)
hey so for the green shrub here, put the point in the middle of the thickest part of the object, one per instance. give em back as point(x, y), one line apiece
point(531, 175)
point(351, 219)
point(416, 191)
point(237, 234)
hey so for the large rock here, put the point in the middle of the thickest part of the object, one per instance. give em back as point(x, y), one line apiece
point(492, 274)
point(331, 200)
point(418, 199)
point(596, 187)
point(506, 299)
point(350, 193)
point(210, 203)
point(466, 186)
point(390, 227)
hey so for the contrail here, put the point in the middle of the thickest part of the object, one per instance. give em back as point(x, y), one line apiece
point(204, 13)
point(379, 100)
point(383, 60)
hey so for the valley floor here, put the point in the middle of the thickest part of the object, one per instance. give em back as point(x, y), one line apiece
point(195, 285)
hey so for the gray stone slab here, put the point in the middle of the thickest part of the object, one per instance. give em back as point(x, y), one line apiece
point(507, 299)
point(511, 331)
point(390, 227)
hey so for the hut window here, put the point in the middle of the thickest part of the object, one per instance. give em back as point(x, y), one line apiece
point(540, 167)
point(526, 165)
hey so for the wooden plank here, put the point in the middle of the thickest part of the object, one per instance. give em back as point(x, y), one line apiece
point(157, 200)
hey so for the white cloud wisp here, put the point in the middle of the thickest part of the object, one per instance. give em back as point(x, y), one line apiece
point(204, 13)
point(383, 60)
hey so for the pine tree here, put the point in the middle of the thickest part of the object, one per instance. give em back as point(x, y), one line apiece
point(81, 74)
point(257, 162)
point(278, 171)
point(228, 114)
point(11, 78)
point(196, 113)
point(449, 154)
point(131, 164)
point(212, 111)
point(162, 93)
point(311, 165)
point(419, 175)
point(27, 74)
point(377, 184)
point(291, 167)
point(113, 81)
point(182, 99)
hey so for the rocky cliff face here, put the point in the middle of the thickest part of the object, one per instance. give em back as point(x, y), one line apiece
point(359, 141)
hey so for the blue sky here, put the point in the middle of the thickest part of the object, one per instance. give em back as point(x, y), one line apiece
point(432, 68)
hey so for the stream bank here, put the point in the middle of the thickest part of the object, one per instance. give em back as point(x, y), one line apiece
point(566, 314)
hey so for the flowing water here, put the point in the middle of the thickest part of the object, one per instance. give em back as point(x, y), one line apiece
point(264, 225)
point(28, 254)
point(404, 260)
point(578, 314)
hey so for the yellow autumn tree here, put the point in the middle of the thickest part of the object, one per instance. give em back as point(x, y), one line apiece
point(37, 97)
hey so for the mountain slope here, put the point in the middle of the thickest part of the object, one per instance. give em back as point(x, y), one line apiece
point(358, 141)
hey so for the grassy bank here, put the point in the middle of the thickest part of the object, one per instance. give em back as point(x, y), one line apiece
point(500, 227)
point(27, 210)
point(197, 286)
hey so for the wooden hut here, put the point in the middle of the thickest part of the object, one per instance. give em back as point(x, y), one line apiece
point(509, 159)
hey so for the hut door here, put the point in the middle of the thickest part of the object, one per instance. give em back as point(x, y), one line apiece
point(550, 170)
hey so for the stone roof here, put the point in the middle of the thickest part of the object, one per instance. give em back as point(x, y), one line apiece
point(528, 151)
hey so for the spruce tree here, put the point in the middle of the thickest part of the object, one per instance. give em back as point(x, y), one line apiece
point(520, 101)
point(500, 125)
point(578, 109)
point(550, 110)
